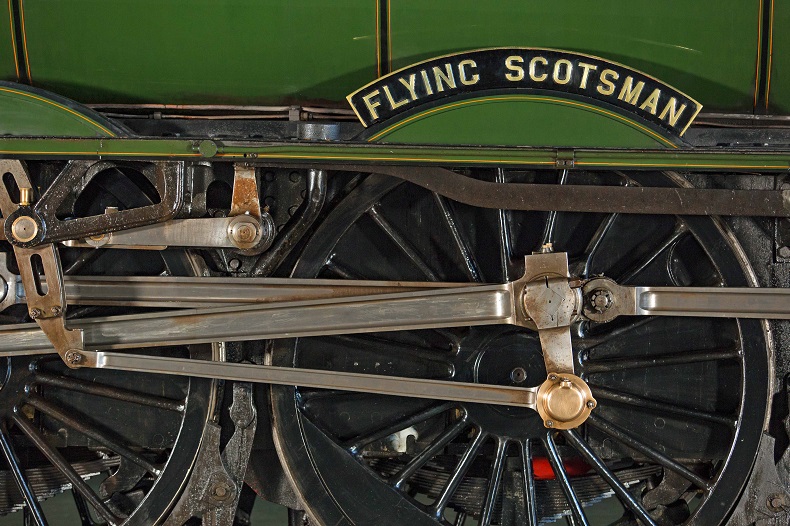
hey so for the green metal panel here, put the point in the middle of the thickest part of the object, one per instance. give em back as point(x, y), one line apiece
point(31, 112)
point(522, 120)
point(7, 56)
point(201, 51)
point(778, 88)
point(706, 48)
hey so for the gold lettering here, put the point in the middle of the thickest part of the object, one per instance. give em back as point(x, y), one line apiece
point(568, 70)
point(443, 77)
point(533, 69)
point(605, 75)
point(428, 87)
point(629, 93)
point(372, 104)
point(586, 72)
point(462, 72)
point(651, 101)
point(510, 63)
point(411, 85)
point(394, 105)
point(671, 109)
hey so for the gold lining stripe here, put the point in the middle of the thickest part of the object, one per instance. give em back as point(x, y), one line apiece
point(389, 36)
point(770, 54)
point(356, 158)
point(96, 153)
point(24, 39)
point(13, 38)
point(759, 52)
point(683, 165)
point(59, 106)
point(521, 97)
point(378, 39)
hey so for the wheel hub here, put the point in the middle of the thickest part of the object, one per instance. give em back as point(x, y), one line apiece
point(493, 356)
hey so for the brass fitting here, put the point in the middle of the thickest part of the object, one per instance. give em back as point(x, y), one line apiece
point(564, 401)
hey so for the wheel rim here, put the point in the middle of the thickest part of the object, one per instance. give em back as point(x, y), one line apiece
point(322, 437)
point(140, 433)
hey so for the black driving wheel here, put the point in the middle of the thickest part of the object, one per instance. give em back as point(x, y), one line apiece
point(135, 434)
point(678, 419)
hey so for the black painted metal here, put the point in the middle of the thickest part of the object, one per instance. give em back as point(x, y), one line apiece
point(20, 478)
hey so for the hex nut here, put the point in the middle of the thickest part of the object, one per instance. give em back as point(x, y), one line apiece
point(784, 252)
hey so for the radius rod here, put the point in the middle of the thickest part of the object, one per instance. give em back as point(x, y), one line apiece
point(588, 198)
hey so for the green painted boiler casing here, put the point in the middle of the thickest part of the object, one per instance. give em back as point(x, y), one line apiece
point(312, 51)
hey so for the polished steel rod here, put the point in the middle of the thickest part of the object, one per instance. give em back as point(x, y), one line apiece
point(359, 382)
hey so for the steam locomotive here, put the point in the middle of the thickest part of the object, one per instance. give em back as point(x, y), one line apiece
point(395, 262)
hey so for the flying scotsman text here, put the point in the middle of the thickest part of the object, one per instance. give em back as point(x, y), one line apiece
point(539, 71)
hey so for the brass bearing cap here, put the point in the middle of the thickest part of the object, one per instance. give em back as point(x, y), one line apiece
point(564, 401)
point(24, 229)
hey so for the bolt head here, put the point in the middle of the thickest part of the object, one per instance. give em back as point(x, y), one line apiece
point(549, 423)
point(590, 404)
point(553, 377)
point(73, 357)
point(36, 313)
point(777, 502)
point(784, 252)
point(56, 310)
point(518, 375)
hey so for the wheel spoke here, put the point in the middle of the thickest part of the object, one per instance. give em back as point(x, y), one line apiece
point(106, 391)
point(505, 241)
point(393, 349)
point(494, 481)
point(356, 444)
point(402, 243)
point(82, 424)
point(661, 360)
point(661, 407)
point(450, 487)
point(20, 478)
point(62, 464)
point(528, 478)
point(471, 267)
point(601, 339)
point(86, 257)
point(656, 456)
point(82, 510)
point(677, 233)
point(429, 452)
point(596, 241)
point(551, 220)
point(340, 270)
point(565, 483)
point(620, 490)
